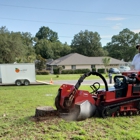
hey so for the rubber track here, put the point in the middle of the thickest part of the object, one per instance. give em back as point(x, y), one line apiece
point(122, 103)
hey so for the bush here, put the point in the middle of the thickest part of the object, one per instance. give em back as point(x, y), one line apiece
point(56, 71)
point(77, 71)
point(93, 69)
point(42, 72)
point(101, 70)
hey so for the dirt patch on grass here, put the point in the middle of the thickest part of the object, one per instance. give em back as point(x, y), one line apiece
point(46, 118)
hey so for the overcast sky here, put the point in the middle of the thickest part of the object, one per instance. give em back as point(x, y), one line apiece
point(69, 17)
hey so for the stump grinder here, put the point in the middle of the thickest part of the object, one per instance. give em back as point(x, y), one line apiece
point(120, 100)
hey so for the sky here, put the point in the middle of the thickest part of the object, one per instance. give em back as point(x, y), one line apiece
point(70, 17)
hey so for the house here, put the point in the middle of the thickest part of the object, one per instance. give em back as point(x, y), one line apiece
point(78, 61)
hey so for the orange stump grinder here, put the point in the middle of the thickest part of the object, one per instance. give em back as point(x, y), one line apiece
point(121, 99)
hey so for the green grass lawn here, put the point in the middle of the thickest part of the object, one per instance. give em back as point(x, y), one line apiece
point(17, 107)
point(64, 77)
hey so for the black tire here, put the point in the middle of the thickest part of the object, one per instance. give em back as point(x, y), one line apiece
point(57, 101)
point(106, 112)
point(26, 82)
point(18, 82)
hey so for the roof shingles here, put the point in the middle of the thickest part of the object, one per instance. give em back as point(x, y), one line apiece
point(78, 59)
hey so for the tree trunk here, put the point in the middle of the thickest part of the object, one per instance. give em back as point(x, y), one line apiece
point(45, 111)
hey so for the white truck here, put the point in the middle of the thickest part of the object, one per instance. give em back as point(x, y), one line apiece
point(18, 74)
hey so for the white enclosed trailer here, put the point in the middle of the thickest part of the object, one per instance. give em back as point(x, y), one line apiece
point(18, 74)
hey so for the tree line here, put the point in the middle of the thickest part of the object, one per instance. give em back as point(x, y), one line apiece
point(23, 47)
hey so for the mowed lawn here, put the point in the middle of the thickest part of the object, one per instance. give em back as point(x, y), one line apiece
point(66, 77)
point(17, 108)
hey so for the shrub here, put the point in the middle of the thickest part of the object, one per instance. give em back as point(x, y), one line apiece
point(93, 69)
point(77, 71)
point(42, 72)
point(101, 70)
point(56, 71)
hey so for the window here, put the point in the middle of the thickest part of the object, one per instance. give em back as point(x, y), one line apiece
point(48, 67)
point(73, 67)
point(63, 67)
point(92, 66)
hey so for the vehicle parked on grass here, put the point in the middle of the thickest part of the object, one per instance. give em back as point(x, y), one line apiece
point(124, 68)
point(114, 71)
point(18, 74)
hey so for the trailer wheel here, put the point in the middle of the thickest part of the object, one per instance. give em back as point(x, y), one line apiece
point(18, 82)
point(26, 82)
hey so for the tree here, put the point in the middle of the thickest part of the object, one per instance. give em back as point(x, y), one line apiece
point(44, 49)
point(87, 43)
point(48, 46)
point(11, 47)
point(106, 62)
point(29, 50)
point(14, 47)
point(4, 30)
point(66, 49)
point(52, 50)
point(60, 49)
point(46, 33)
point(40, 63)
point(122, 46)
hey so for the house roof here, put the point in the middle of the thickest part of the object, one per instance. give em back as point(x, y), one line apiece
point(78, 59)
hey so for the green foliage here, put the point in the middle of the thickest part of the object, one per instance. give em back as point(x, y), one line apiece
point(15, 46)
point(106, 62)
point(44, 49)
point(122, 46)
point(94, 69)
point(56, 70)
point(77, 71)
point(47, 33)
point(101, 70)
point(23, 47)
point(60, 69)
point(60, 49)
point(65, 49)
point(87, 43)
point(42, 72)
point(52, 50)
point(40, 63)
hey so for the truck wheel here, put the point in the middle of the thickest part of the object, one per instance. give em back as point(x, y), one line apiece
point(18, 82)
point(26, 82)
